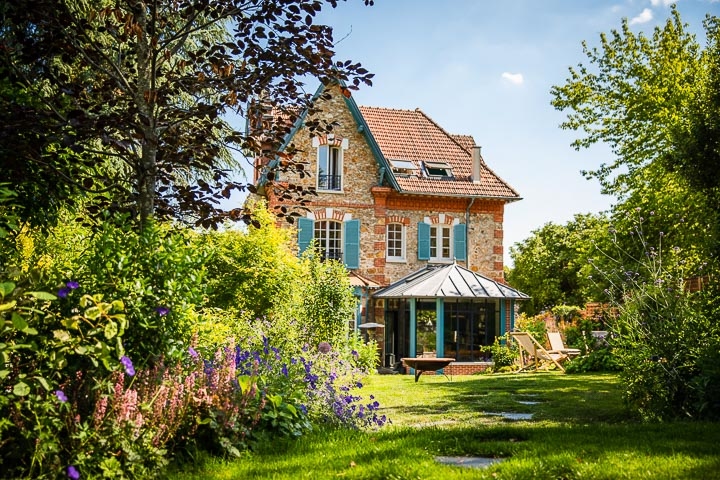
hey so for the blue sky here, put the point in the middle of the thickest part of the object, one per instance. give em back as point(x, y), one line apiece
point(485, 68)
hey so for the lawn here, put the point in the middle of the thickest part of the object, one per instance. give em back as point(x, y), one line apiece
point(578, 428)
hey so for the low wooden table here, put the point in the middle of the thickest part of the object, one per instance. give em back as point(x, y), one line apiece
point(426, 364)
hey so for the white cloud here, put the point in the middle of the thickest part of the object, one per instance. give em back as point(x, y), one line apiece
point(644, 17)
point(665, 3)
point(514, 78)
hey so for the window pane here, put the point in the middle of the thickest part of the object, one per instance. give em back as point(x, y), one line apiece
point(433, 242)
point(446, 242)
point(394, 240)
point(328, 234)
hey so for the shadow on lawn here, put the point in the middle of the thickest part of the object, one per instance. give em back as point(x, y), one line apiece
point(578, 420)
point(562, 398)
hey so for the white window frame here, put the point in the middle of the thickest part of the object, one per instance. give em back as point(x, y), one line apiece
point(325, 238)
point(332, 146)
point(402, 240)
point(437, 243)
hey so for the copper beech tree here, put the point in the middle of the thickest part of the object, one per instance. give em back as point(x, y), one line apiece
point(126, 102)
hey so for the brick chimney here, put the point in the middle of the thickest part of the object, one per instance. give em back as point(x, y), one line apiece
point(477, 161)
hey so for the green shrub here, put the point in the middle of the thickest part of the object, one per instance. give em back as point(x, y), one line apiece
point(49, 362)
point(665, 337)
point(598, 360)
point(504, 355)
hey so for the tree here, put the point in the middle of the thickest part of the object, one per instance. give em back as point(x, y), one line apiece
point(552, 265)
point(129, 100)
point(655, 102)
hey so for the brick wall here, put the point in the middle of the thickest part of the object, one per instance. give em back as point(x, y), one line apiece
point(375, 206)
point(463, 368)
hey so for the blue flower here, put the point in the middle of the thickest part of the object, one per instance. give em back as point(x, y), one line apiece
point(72, 285)
point(63, 292)
point(61, 396)
point(285, 369)
point(127, 363)
point(193, 353)
point(162, 311)
point(72, 472)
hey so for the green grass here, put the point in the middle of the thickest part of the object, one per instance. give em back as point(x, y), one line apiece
point(579, 429)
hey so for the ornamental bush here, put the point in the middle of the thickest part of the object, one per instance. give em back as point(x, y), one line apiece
point(664, 336)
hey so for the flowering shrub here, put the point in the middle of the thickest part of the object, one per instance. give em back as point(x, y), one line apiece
point(127, 422)
point(50, 360)
point(664, 337)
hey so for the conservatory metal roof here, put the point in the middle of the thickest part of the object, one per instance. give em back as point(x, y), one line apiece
point(448, 281)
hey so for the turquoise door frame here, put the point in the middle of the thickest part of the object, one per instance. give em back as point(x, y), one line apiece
point(440, 328)
point(413, 326)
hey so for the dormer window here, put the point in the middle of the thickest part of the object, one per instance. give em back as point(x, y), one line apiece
point(403, 167)
point(438, 169)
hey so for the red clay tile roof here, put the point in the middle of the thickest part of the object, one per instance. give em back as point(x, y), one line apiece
point(412, 135)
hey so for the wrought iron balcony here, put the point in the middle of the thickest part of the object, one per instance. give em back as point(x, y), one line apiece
point(329, 182)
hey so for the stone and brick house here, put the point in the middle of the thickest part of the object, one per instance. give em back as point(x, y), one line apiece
point(401, 201)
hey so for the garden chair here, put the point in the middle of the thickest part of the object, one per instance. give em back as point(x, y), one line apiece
point(537, 357)
point(557, 345)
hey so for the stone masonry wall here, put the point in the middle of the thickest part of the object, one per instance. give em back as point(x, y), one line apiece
point(362, 198)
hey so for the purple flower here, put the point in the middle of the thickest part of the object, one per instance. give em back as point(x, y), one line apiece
point(72, 472)
point(72, 285)
point(61, 396)
point(193, 353)
point(127, 363)
point(162, 311)
point(324, 347)
point(63, 292)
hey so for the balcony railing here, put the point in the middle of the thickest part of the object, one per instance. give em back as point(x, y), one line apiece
point(329, 182)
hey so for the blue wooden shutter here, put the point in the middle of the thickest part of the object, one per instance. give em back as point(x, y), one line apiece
point(352, 244)
point(306, 231)
point(423, 242)
point(460, 246)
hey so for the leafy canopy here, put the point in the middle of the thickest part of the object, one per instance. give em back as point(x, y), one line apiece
point(127, 102)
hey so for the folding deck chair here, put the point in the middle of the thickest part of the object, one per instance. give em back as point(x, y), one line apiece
point(538, 358)
point(557, 345)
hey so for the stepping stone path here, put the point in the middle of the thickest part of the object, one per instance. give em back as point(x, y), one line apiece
point(484, 462)
point(511, 415)
point(471, 462)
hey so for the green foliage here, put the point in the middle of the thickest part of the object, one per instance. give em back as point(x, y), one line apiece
point(663, 337)
point(535, 325)
point(598, 360)
point(633, 94)
point(504, 354)
point(160, 274)
point(249, 270)
point(552, 264)
point(578, 334)
point(50, 359)
point(328, 302)
point(655, 102)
